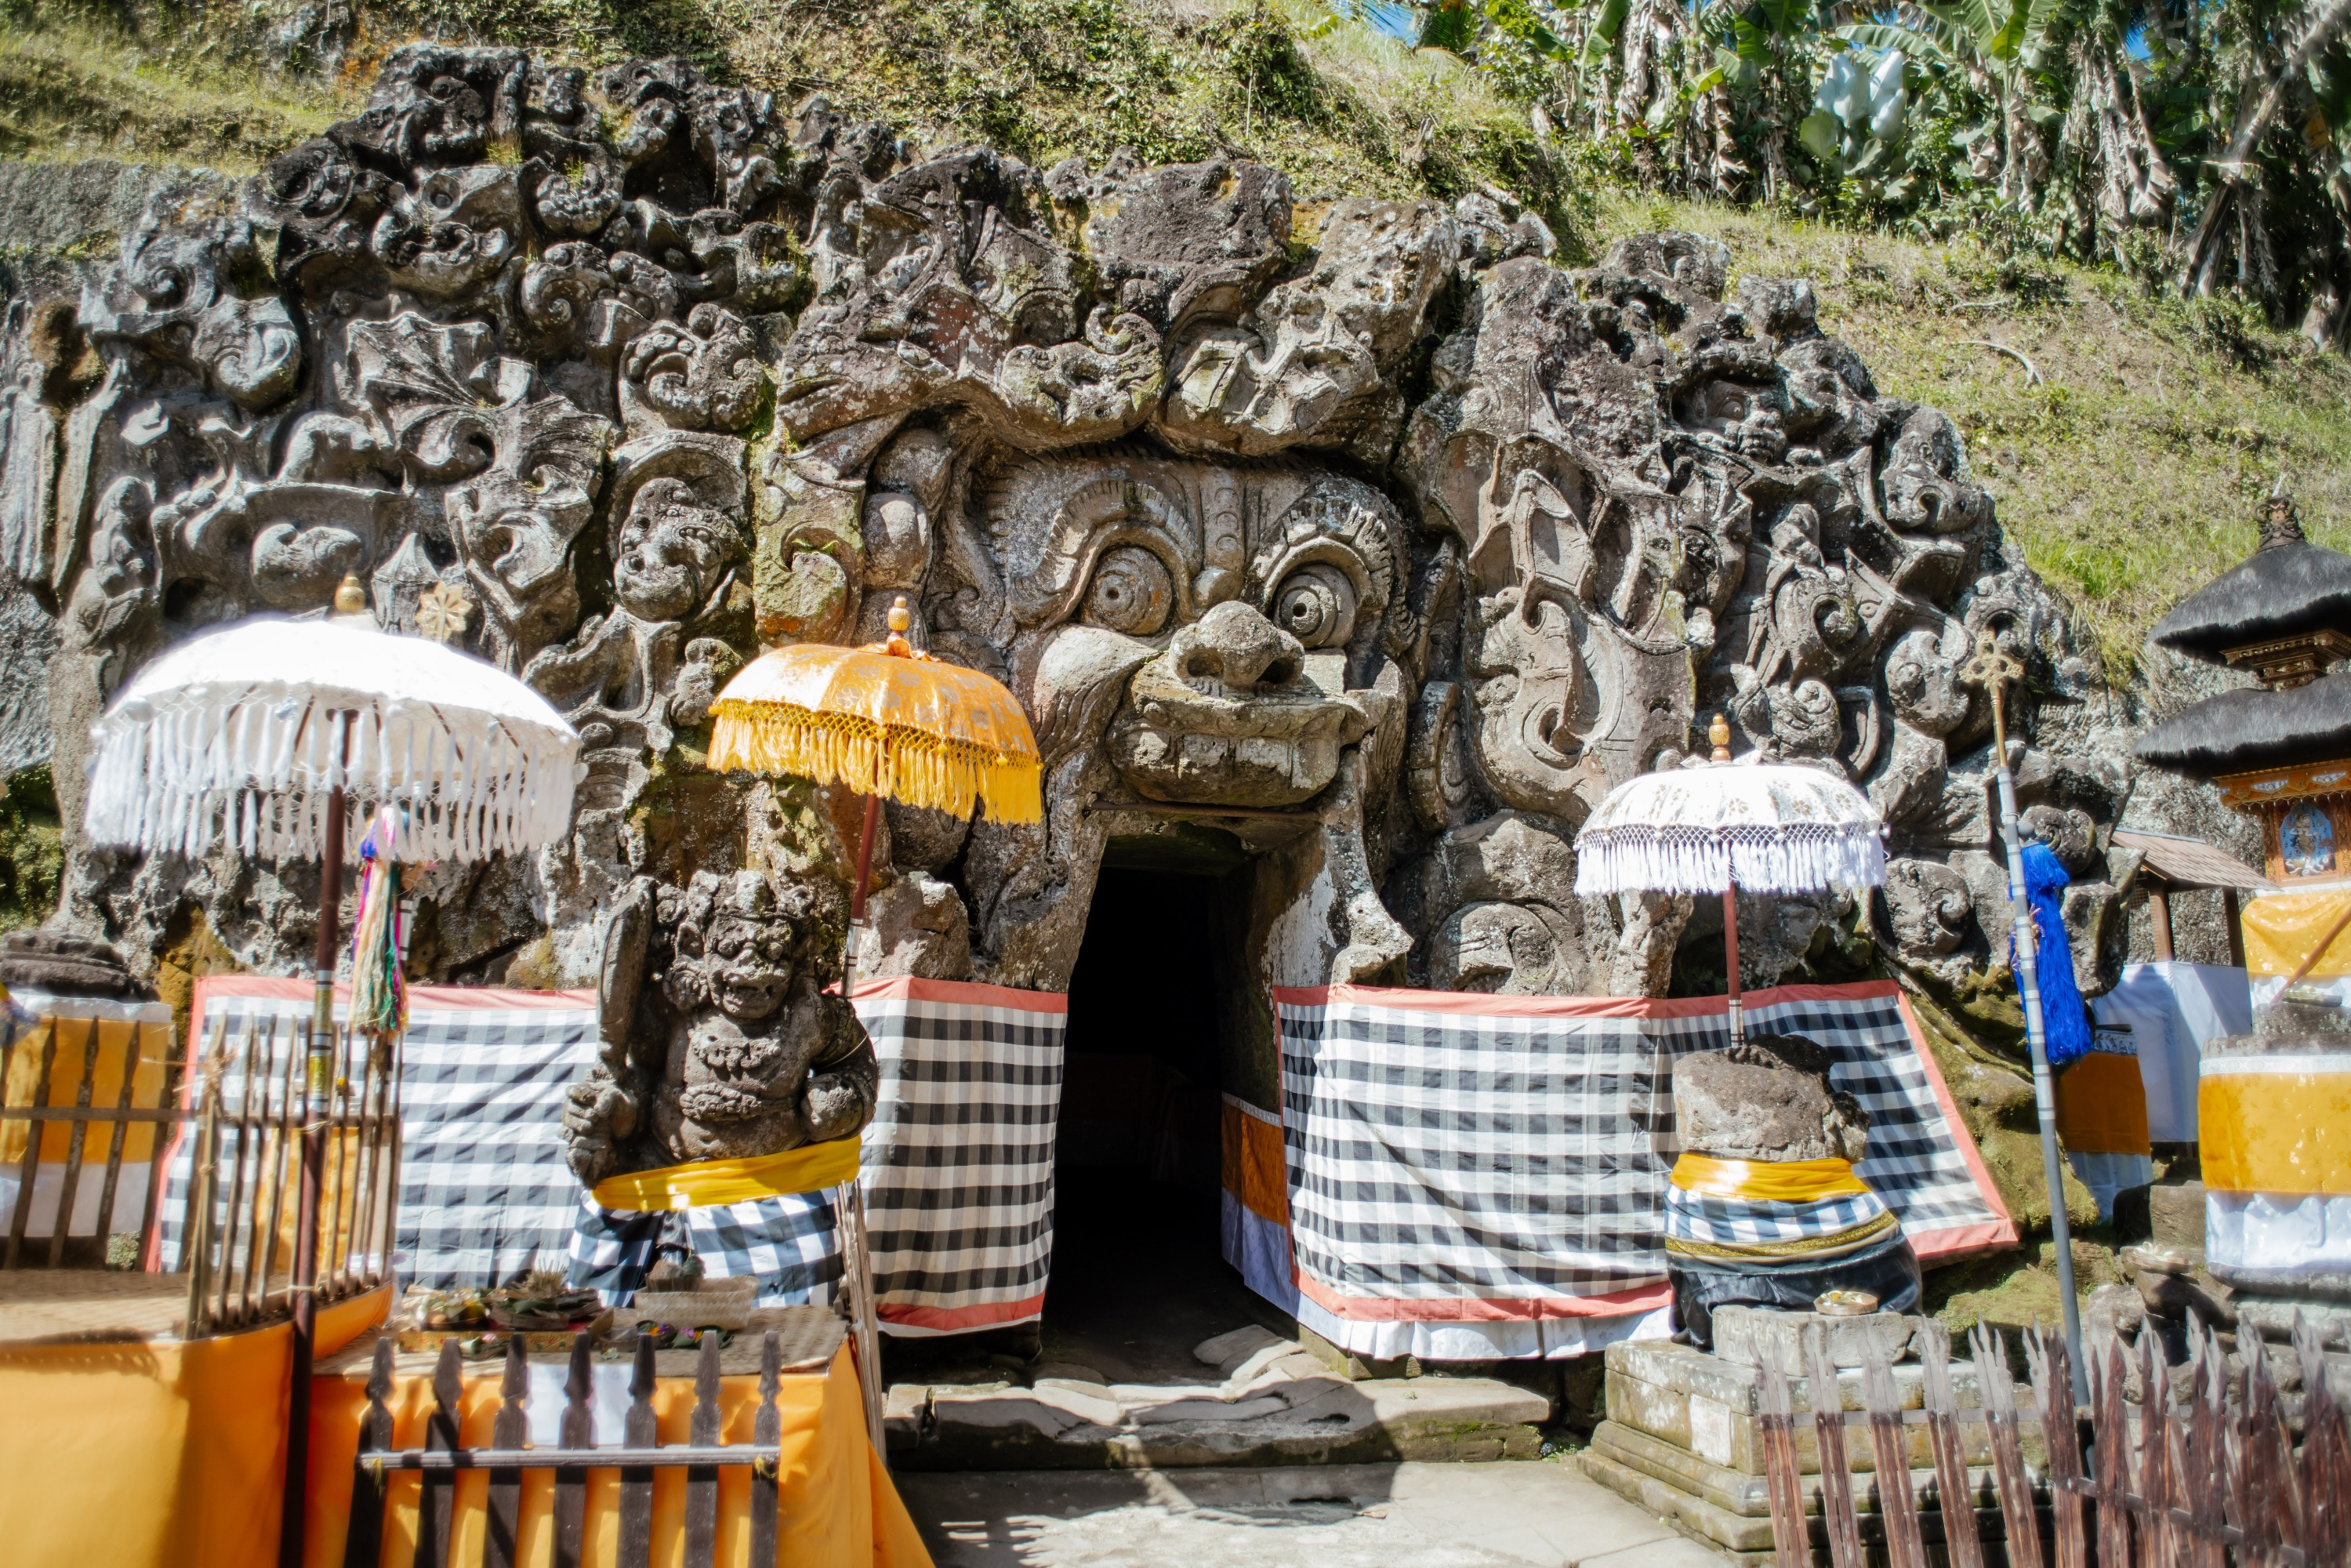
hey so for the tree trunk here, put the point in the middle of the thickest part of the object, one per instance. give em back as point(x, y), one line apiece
point(2200, 265)
point(1639, 38)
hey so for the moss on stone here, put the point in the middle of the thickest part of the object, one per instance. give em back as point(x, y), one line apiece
point(32, 849)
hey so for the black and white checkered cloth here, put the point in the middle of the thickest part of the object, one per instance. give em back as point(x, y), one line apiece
point(1700, 1223)
point(484, 1189)
point(958, 1159)
point(959, 1178)
point(1519, 1154)
point(792, 1245)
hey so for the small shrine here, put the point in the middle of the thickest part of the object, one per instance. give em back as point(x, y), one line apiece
point(2275, 1139)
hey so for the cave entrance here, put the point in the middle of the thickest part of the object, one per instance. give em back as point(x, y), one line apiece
point(1159, 1025)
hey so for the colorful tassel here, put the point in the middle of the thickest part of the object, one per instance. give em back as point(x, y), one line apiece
point(2065, 1020)
point(379, 990)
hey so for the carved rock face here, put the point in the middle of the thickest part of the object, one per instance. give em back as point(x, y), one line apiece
point(1228, 716)
point(671, 551)
point(1396, 544)
point(1232, 603)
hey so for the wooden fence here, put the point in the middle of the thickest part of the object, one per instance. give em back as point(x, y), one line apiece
point(247, 1170)
point(110, 1067)
point(636, 1458)
point(122, 1072)
point(2202, 1472)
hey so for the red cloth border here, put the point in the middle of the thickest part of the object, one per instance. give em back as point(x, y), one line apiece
point(958, 1320)
point(1466, 1310)
point(906, 989)
point(1958, 1241)
point(1491, 1005)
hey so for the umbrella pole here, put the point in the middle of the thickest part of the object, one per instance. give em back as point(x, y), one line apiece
point(304, 1291)
point(1730, 957)
point(857, 891)
point(1993, 670)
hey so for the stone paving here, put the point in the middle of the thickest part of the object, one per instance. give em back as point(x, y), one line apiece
point(1408, 1515)
point(1268, 1402)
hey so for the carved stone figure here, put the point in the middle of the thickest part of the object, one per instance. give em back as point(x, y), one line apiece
point(1764, 1211)
point(1384, 555)
point(718, 1039)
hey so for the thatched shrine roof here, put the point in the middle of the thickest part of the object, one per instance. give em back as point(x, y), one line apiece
point(2240, 731)
point(2289, 586)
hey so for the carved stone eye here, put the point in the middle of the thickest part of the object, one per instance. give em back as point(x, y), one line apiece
point(1316, 605)
point(1130, 592)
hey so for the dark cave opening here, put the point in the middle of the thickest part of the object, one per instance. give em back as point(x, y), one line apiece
point(1156, 1014)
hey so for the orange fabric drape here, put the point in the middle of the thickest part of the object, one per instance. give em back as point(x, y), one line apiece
point(2102, 1104)
point(152, 1455)
point(1256, 1167)
point(838, 1508)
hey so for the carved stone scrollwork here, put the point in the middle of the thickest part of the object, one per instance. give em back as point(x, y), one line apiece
point(1384, 553)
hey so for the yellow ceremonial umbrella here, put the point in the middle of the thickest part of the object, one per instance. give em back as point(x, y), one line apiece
point(884, 720)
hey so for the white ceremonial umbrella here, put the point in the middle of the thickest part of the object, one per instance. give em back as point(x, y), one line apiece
point(1717, 826)
point(279, 738)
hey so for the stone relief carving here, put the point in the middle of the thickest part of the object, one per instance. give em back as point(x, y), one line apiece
point(1385, 546)
point(719, 1039)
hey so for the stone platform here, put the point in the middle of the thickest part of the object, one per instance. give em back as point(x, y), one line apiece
point(1259, 1399)
point(1683, 1440)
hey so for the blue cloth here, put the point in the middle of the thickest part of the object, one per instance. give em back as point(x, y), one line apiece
point(2065, 1020)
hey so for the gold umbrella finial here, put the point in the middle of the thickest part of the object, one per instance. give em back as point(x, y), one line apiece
point(900, 619)
point(1717, 734)
point(351, 599)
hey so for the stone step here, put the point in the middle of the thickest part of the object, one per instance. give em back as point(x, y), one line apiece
point(1743, 1537)
point(1738, 1492)
point(1272, 1419)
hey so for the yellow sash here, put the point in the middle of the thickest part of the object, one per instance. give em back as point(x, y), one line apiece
point(708, 1184)
point(1758, 1181)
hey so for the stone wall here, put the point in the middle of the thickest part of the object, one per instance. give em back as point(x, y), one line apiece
point(1367, 532)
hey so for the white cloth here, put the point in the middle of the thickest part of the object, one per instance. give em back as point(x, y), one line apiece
point(2278, 1231)
point(2173, 1008)
point(2109, 1176)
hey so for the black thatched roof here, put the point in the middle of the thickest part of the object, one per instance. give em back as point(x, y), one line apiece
point(2239, 731)
point(2289, 586)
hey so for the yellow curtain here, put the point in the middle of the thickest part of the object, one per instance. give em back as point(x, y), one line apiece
point(836, 1508)
point(2276, 1124)
point(2280, 928)
point(1767, 1181)
point(152, 1455)
point(2102, 1105)
point(706, 1184)
point(1256, 1168)
point(144, 1042)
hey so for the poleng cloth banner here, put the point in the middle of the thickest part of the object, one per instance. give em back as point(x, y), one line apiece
point(958, 1159)
point(483, 1188)
point(1466, 1169)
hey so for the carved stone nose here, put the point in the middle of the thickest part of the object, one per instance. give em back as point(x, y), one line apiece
point(1238, 647)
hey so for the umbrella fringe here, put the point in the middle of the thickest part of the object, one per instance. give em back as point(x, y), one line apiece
point(254, 771)
point(1794, 858)
point(898, 763)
